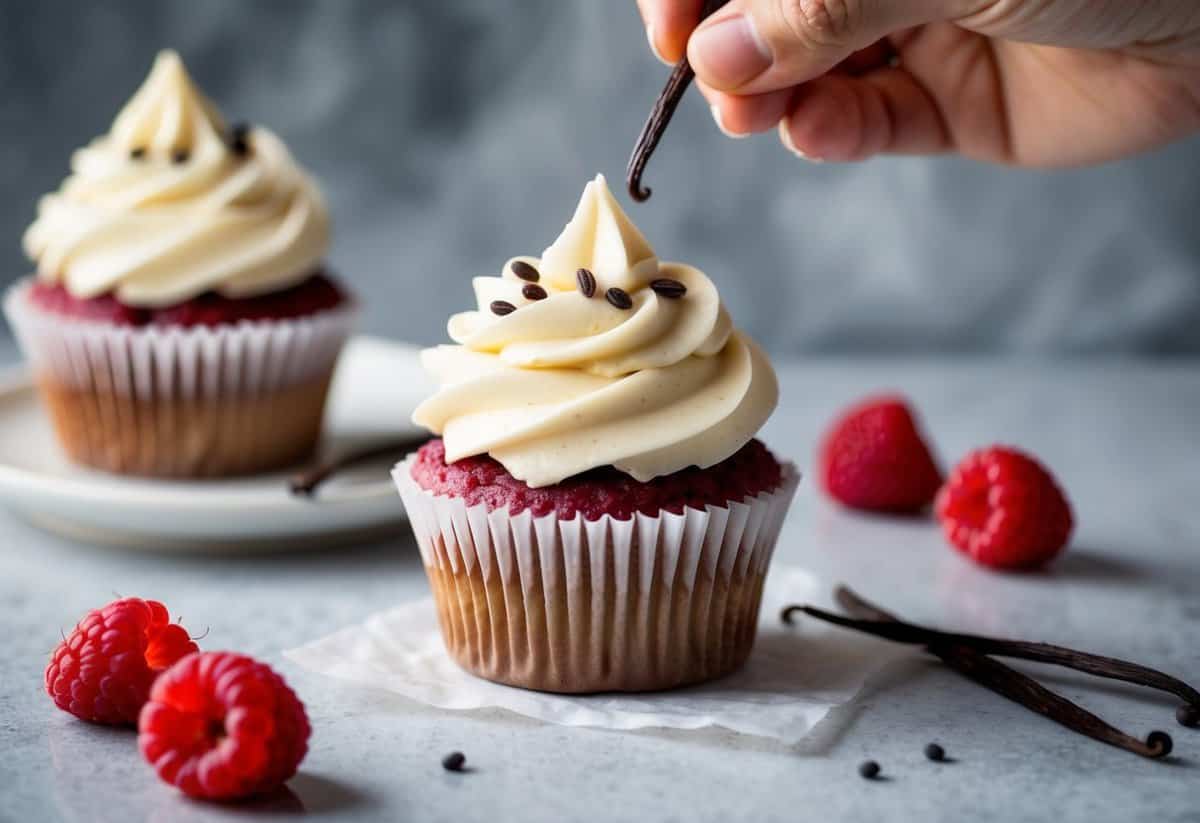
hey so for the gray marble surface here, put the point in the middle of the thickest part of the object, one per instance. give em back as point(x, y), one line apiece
point(1121, 436)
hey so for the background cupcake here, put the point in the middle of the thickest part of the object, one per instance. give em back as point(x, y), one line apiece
point(597, 515)
point(181, 321)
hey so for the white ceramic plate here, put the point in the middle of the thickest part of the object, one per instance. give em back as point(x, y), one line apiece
point(377, 385)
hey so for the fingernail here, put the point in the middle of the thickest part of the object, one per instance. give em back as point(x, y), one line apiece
point(716, 113)
point(729, 52)
point(654, 45)
point(785, 137)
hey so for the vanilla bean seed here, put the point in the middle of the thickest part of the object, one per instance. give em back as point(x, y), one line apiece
point(869, 769)
point(619, 298)
point(935, 752)
point(237, 139)
point(587, 283)
point(137, 153)
point(180, 156)
point(502, 307)
point(666, 287)
point(533, 291)
point(525, 271)
point(454, 762)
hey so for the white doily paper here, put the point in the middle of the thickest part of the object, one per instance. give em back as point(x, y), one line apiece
point(794, 677)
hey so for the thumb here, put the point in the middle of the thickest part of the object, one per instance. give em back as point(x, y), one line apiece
point(755, 46)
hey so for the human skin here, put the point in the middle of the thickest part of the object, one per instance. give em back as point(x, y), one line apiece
point(1038, 83)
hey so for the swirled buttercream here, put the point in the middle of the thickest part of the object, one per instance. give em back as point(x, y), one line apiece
point(169, 204)
point(566, 383)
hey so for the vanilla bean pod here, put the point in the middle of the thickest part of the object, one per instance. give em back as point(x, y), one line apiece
point(1111, 668)
point(307, 483)
point(660, 116)
point(968, 655)
point(1023, 689)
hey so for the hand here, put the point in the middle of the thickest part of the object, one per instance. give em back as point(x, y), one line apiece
point(1028, 82)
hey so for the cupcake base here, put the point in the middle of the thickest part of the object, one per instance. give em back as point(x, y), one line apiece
point(572, 605)
point(538, 639)
point(124, 434)
point(181, 401)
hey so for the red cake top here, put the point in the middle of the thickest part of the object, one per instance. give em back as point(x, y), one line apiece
point(313, 295)
point(751, 471)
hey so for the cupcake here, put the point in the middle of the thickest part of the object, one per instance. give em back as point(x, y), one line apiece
point(181, 322)
point(597, 515)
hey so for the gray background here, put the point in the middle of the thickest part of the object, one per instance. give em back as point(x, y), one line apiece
point(452, 134)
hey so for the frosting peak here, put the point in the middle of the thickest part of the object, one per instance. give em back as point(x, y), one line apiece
point(552, 377)
point(169, 205)
point(168, 113)
point(602, 239)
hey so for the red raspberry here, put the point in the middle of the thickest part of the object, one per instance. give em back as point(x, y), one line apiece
point(221, 726)
point(1004, 510)
point(103, 671)
point(873, 458)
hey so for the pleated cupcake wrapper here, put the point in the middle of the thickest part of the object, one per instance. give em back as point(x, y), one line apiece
point(606, 605)
point(245, 359)
point(194, 401)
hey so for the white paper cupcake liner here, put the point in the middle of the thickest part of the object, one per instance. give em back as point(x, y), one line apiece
point(606, 605)
point(182, 402)
point(234, 360)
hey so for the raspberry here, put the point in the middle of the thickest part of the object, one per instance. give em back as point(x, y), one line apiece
point(873, 458)
point(102, 672)
point(222, 726)
point(1004, 510)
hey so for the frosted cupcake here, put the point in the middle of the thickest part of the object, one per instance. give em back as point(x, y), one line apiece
point(597, 515)
point(181, 322)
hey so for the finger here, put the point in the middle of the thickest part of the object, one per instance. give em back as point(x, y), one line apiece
point(843, 119)
point(754, 46)
point(963, 74)
point(743, 115)
point(669, 23)
point(875, 56)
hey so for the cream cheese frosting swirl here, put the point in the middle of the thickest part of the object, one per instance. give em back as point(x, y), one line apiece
point(166, 206)
point(566, 383)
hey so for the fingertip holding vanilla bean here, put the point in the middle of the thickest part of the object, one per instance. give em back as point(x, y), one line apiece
point(660, 116)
